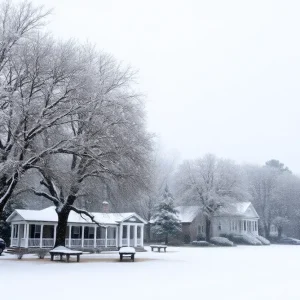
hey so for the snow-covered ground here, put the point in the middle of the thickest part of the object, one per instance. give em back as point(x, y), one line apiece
point(238, 273)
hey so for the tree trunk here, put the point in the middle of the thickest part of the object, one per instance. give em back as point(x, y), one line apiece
point(62, 224)
point(6, 192)
point(279, 232)
point(207, 228)
point(267, 230)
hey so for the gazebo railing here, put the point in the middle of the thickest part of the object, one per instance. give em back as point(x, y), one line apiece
point(14, 242)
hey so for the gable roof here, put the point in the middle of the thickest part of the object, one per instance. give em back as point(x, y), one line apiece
point(49, 215)
point(239, 209)
point(187, 214)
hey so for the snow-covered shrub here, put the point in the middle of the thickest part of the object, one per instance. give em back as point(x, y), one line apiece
point(201, 243)
point(246, 240)
point(41, 253)
point(201, 237)
point(186, 238)
point(221, 241)
point(263, 240)
point(243, 239)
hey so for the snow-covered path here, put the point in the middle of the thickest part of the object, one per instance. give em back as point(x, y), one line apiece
point(238, 273)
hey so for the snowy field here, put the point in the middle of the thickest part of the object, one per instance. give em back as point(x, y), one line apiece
point(238, 273)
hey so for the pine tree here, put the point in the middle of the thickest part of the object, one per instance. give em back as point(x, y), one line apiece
point(166, 222)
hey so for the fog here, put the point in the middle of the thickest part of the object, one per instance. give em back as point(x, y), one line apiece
point(218, 76)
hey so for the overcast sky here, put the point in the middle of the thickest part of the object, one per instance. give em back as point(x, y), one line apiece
point(219, 76)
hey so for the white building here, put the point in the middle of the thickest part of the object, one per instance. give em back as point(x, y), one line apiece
point(37, 228)
point(231, 218)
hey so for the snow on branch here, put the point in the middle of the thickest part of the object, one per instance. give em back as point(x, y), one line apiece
point(82, 212)
point(46, 195)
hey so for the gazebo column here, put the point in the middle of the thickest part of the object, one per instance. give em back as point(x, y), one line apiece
point(11, 233)
point(18, 236)
point(142, 235)
point(26, 236)
point(106, 237)
point(82, 237)
point(117, 231)
point(121, 236)
point(128, 235)
point(95, 237)
point(41, 236)
point(70, 235)
point(135, 236)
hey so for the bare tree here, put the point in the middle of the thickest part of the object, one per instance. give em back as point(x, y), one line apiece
point(106, 139)
point(17, 22)
point(210, 182)
point(39, 92)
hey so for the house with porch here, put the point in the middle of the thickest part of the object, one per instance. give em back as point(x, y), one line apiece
point(230, 218)
point(37, 229)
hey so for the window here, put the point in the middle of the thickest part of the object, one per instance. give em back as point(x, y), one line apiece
point(199, 229)
point(76, 232)
point(37, 231)
point(220, 226)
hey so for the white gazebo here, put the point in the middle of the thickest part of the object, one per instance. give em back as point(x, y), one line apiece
point(37, 228)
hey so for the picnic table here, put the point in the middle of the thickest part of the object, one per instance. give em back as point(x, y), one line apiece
point(158, 247)
point(127, 251)
point(63, 251)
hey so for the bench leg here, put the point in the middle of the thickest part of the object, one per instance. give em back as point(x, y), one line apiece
point(121, 257)
point(51, 257)
point(60, 256)
point(158, 249)
point(132, 257)
point(68, 257)
point(78, 258)
point(165, 249)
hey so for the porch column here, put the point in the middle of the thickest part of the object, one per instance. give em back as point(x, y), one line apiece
point(70, 231)
point(95, 237)
point(82, 237)
point(128, 235)
point(106, 237)
point(121, 236)
point(142, 236)
point(19, 235)
point(135, 236)
point(26, 235)
point(117, 231)
point(11, 233)
point(41, 236)
point(54, 235)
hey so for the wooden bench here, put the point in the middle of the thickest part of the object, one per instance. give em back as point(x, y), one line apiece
point(127, 251)
point(158, 247)
point(63, 251)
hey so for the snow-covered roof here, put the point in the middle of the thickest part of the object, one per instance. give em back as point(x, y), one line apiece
point(187, 214)
point(239, 209)
point(242, 209)
point(49, 215)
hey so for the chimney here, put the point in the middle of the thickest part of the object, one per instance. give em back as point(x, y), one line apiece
point(105, 207)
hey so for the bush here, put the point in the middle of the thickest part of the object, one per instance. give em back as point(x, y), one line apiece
point(263, 240)
point(201, 244)
point(186, 239)
point(243, 239)
point(200, 237)
point(221, 241)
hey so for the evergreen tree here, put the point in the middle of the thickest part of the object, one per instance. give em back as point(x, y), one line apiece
point(166, 221)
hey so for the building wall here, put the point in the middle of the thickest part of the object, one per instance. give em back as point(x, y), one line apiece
point(234, 225)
